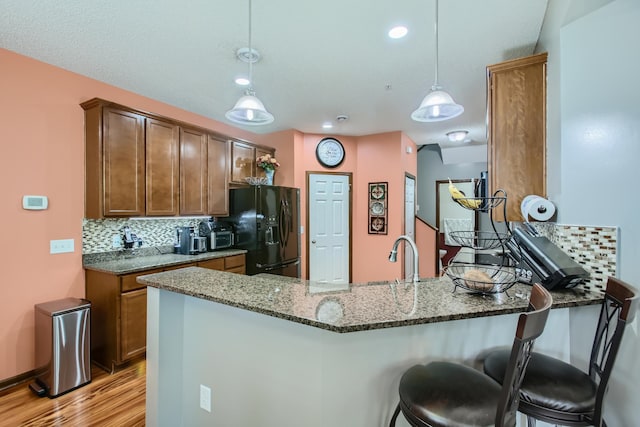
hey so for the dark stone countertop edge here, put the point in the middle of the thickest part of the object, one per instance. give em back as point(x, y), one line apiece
point(136, 264)
point(363, 326)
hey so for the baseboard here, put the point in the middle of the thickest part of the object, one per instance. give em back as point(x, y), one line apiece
point(17, 380)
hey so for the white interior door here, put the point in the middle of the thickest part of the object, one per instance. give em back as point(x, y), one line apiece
point(329, 242)
point(409, 220)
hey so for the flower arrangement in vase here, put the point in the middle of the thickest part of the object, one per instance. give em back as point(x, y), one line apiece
point(269, 164)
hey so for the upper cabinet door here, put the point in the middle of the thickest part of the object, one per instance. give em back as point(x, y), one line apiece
point(162, 166)
point(123, 163)
point(193, 172)
point(218, 173)
point(243, 158)
point(517, 130)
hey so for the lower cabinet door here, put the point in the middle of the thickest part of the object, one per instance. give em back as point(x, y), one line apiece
point(133, 323)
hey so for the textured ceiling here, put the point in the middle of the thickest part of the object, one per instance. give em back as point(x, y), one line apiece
point(320, 59)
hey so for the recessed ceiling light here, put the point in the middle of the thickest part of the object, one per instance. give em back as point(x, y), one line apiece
point(242, 81)
point(398, 32)
point(327, 125)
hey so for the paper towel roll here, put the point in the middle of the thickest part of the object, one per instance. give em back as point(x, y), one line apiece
point(536, 207)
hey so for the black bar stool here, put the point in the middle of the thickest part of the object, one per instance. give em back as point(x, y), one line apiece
point(449, 394)
point(559, 393)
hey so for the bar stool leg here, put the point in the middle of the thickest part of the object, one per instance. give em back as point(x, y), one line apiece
point(392, 423)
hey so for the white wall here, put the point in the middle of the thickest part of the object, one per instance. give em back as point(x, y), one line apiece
point(431, 169)
point(266, 371)
point(594, 146)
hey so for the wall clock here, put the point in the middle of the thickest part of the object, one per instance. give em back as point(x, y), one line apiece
point(330, 152)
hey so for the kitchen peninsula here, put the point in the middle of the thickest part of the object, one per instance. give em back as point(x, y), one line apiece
point(288, 352)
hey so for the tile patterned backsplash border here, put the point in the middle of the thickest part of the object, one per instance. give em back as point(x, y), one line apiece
point(97, 233)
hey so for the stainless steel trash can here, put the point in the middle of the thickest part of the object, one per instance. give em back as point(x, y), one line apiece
point(62, 345)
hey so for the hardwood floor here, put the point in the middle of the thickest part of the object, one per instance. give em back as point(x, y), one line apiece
point(108, 400)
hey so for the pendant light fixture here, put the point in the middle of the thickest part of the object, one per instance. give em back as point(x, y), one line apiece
point(249, 110)
point(438, 105)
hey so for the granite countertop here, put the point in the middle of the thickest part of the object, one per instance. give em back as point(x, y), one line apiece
point(125, 262)
point(356, 306)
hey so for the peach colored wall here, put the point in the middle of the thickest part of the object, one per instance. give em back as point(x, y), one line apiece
point(381, 158)
point(426, 242)
point(42, 152)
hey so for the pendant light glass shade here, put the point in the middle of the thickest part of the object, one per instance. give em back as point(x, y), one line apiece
point(438, 105)
point(249, 110)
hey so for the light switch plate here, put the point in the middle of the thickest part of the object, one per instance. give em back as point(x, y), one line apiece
point(61, 246)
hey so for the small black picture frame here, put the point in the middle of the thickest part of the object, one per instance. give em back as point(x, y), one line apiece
point(378, 207)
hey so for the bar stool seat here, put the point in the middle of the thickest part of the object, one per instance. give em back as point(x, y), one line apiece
point(551, 384)
point(445, 394)
point(434, 392)
point(556, 392)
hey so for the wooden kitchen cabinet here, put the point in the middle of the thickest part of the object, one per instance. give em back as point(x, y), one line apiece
point(118, 316)
point(119, 310)
point(232, 264)
point(193, 172)
point(243, 158)
point(516, 113)
point(142, 164)
point(218, 155)
point(243, 161)
point(162, 163)
point(133, 323)
point(115, 162)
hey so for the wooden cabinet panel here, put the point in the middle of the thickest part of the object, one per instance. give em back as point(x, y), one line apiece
point(213, 264)
point(133, 323)
point(234, 261)
point(123, 166)
point(218, 153)
point(193, 172)
point(162, 140)
point(517, 130)
point(128, 281)
point(237, 270)
point(243, 158)
point(175, 267)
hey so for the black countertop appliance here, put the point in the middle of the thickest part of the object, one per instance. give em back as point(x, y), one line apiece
point(266, 220)
point(542, 261)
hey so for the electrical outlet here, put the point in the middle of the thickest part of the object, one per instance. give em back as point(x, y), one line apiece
point(205, 398)
point(116, 241)
point(61, 246)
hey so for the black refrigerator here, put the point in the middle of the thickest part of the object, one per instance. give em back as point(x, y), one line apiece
point(266, 222)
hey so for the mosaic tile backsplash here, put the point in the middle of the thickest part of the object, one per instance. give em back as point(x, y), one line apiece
point(595, 248)
point(97, 234)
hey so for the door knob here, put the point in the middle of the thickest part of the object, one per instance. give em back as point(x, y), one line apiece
point(313, 241)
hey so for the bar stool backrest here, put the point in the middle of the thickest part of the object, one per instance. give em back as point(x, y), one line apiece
point(530, 326)
point(618, 310)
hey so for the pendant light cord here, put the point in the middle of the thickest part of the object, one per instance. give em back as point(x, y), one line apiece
point(435, 82)
point(250, 53)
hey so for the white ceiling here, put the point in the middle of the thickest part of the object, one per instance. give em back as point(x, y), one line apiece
point(320, 59)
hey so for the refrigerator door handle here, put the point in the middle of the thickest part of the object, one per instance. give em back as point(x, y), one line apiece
point(284, 226)
point(269, 267)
